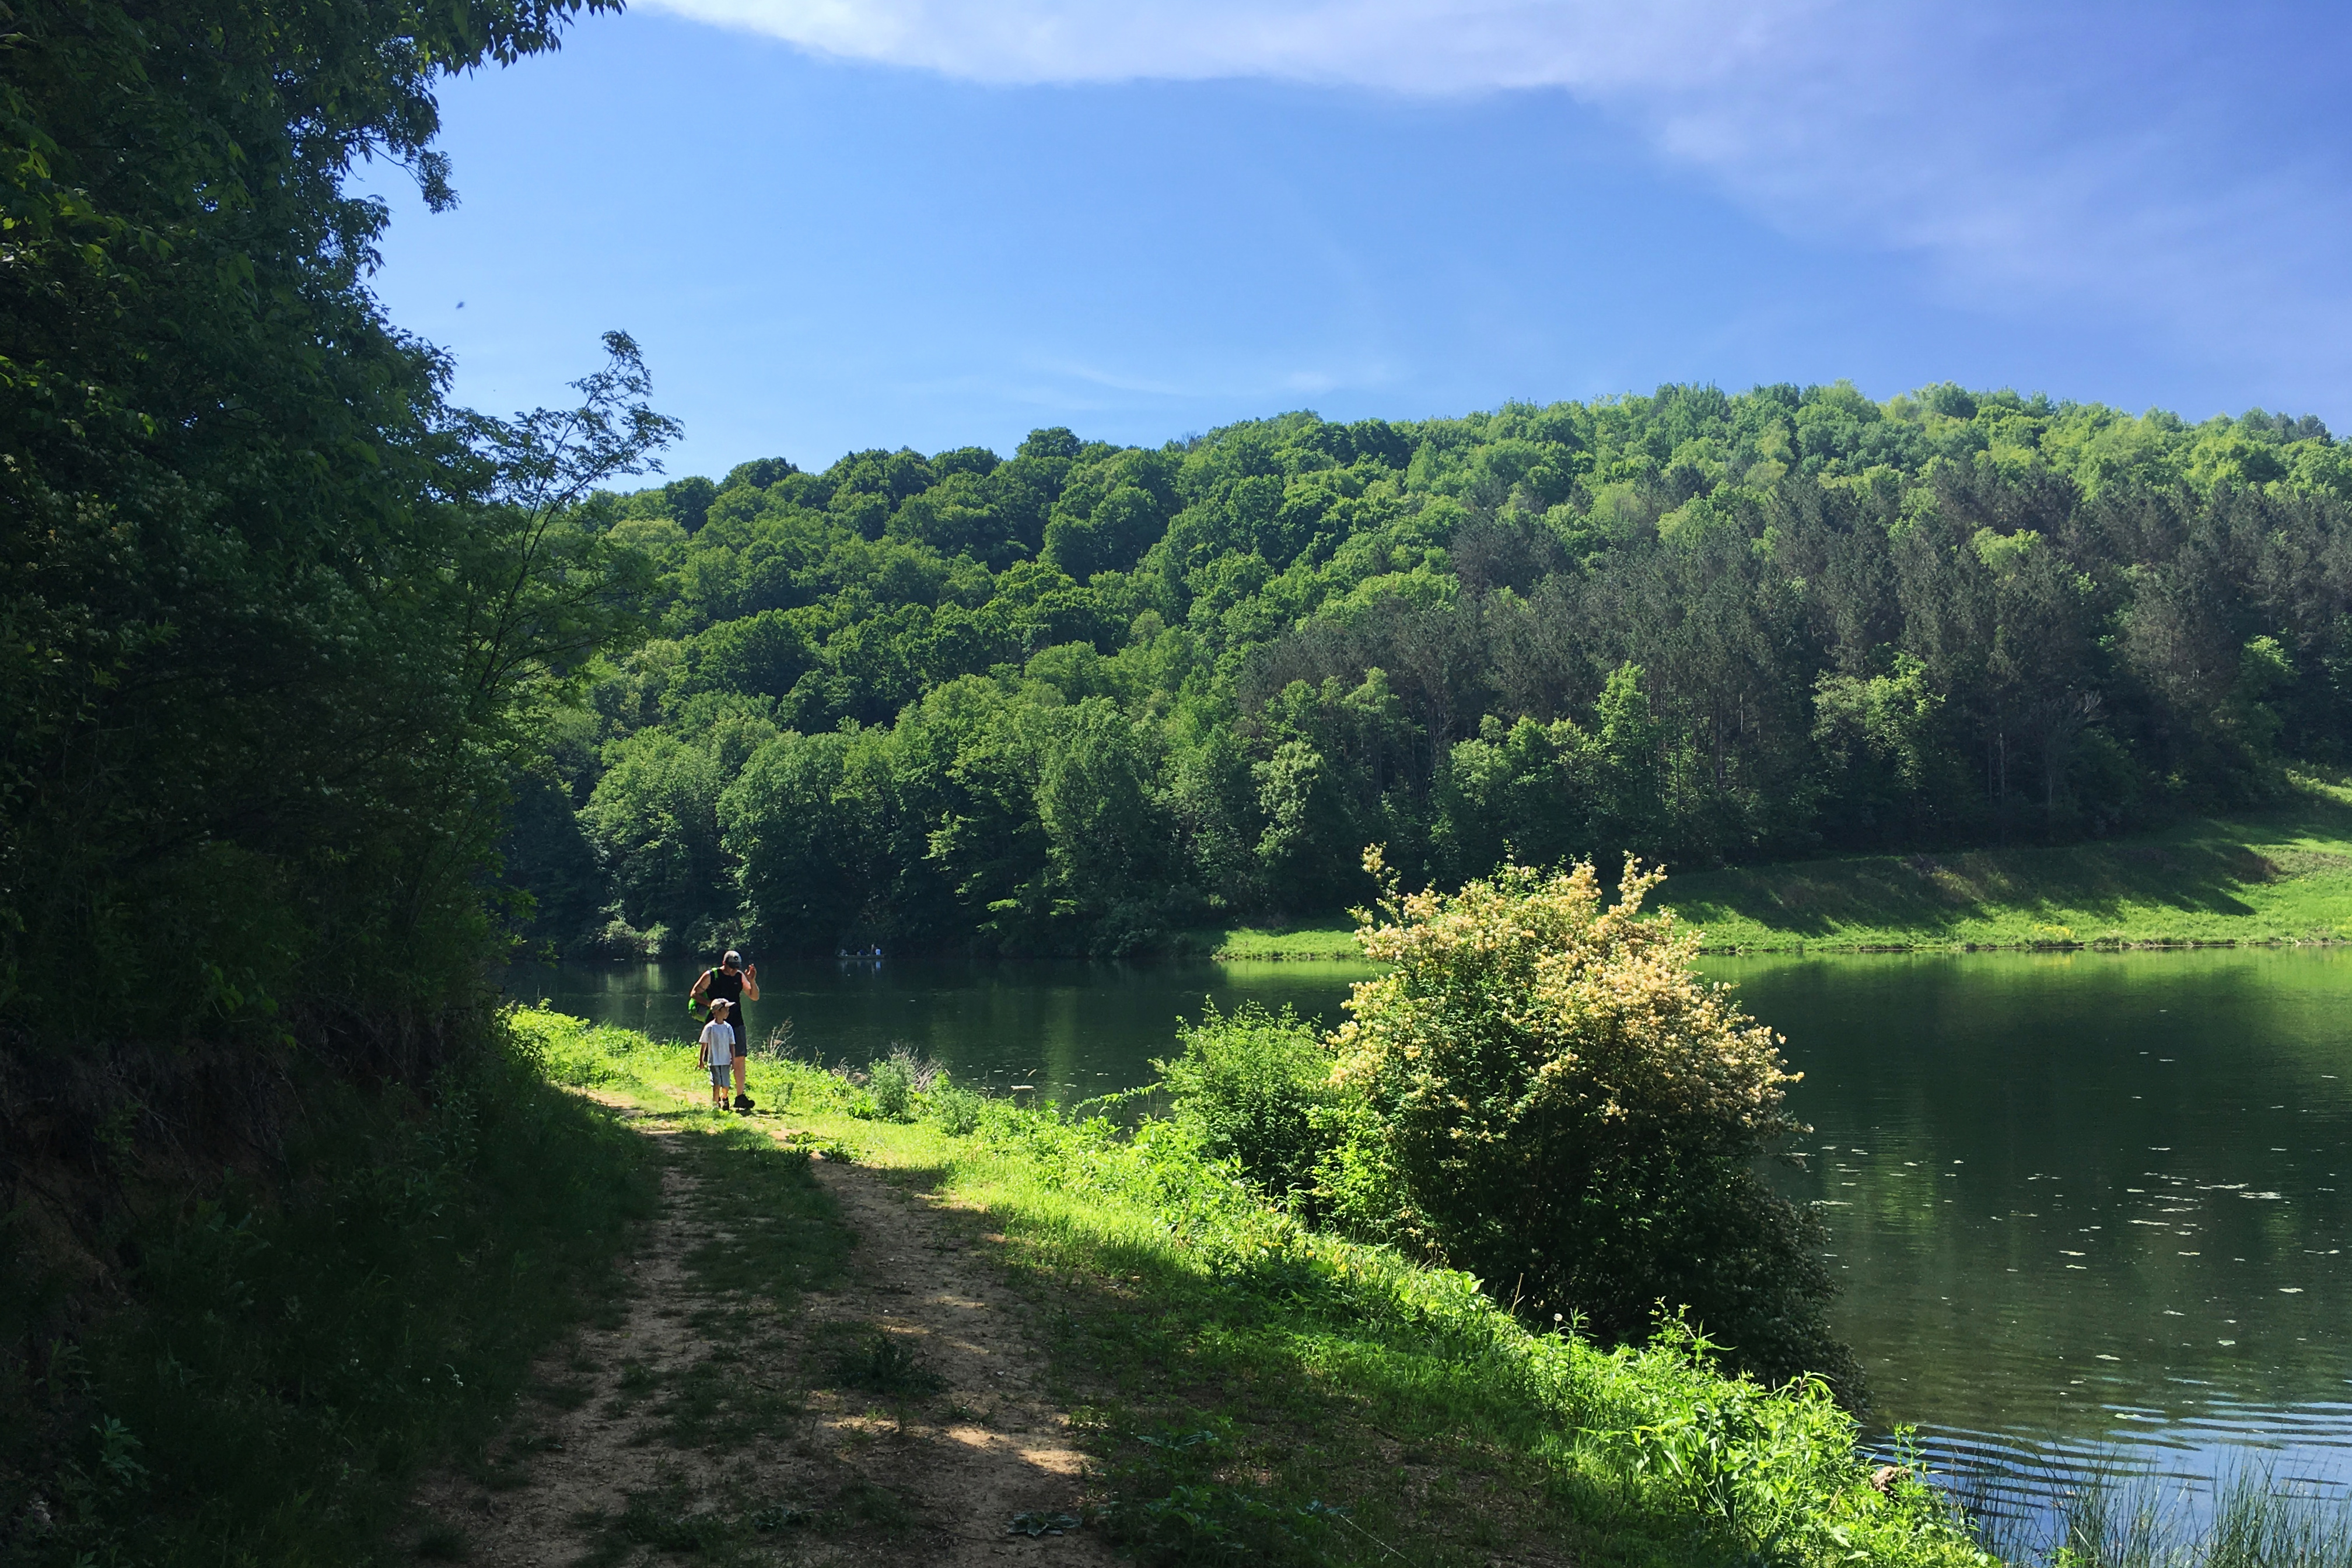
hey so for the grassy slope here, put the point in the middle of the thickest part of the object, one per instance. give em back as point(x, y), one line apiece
point(1238, 1375)
point(2283, 876)
point(276, 1365)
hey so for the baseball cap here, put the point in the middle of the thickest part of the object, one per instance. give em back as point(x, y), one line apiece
point(732, 957)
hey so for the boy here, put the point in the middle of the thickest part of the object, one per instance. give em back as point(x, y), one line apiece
point(718, 1052)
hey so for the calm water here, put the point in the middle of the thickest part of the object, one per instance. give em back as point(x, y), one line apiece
point(1074, 1030)
point(2079, 1204)
point(2085, 1201)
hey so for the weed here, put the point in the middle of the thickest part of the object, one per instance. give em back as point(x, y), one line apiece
point(1033, 1525)
point(1207, 1522)
point(884, 1364)
point(566, 1396)
point(498, 1475)
point(957, 1110)
point(890, 1084)
point(2113, 1519)
point(783, 1234)
point(664, 1519)
point(875, 1507)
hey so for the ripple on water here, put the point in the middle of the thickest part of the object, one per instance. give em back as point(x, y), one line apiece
point(2122, 1267)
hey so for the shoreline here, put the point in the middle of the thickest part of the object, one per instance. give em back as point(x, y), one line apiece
point(2276, 879)
point(1257, 1382)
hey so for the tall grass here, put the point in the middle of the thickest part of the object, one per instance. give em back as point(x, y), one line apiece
point(283, 1351)
point(2111, 1520)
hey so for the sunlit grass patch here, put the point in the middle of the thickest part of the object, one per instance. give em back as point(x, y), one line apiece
point(1326, 939)
point(2285, 876)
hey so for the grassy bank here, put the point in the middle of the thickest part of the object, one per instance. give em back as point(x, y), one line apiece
point(2281, 877)
point(2284, 876)
point(1324, 938)
point(1255, 1391)
point(255, 1369)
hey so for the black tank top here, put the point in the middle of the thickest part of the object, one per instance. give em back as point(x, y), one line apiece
point(730, 986)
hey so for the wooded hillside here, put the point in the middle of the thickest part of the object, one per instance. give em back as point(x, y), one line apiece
point(1080, 698)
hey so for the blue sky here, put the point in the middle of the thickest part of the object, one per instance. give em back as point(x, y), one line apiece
point(836, 225)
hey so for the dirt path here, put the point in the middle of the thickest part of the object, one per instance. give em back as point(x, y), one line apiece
point(996, 1446)
point(895, 1413)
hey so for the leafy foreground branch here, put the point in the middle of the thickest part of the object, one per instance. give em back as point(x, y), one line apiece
point(1260, 1391)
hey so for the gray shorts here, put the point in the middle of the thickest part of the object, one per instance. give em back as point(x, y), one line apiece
point(721, 1075)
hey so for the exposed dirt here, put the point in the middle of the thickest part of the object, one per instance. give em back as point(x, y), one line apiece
point(994, 1445)
point(963, 1438)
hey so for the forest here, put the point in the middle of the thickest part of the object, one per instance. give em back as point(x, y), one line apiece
point(1084, 697)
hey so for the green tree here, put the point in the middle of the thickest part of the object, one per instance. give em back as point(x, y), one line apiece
point(1708, 626)
point(1309, 823)
point(654, 820)
point(1881, 739)
point(801, 841)
point(275, 620)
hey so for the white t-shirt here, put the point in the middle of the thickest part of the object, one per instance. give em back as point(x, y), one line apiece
point(720, 1038)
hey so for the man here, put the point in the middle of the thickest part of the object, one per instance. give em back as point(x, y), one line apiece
point(737, 984)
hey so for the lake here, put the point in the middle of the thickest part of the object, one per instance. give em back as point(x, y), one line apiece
point(2080, 1204)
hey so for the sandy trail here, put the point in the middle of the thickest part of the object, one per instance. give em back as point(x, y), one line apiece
point(952, 1461)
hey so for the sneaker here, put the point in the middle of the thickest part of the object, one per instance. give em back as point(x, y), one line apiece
point(743, 1102)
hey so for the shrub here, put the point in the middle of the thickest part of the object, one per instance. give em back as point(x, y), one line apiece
point(893, 1081)
point(1559, 1105)
point(1256, 1088)
point(277, 1363)
point(956, 1109)
point(891, 1089)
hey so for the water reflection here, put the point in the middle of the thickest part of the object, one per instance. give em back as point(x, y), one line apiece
point(2086, 1208)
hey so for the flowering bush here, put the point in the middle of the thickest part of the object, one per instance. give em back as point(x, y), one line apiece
point(1557, 1103)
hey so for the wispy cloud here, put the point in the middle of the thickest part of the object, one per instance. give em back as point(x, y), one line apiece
point(2122, 160)
point(1410, 46)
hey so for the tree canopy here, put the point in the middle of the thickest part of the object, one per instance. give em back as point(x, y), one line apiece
point(276, 622)
point(1076, 698)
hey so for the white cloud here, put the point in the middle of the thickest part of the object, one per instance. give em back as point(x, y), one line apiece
point(2078, 159)
point(1408, 45)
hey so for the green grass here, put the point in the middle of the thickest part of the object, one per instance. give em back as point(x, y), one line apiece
point(2251, 1519)
point(1322, 939)
point(2281, 877)
point(1253, 1391)
point(283, 1358)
